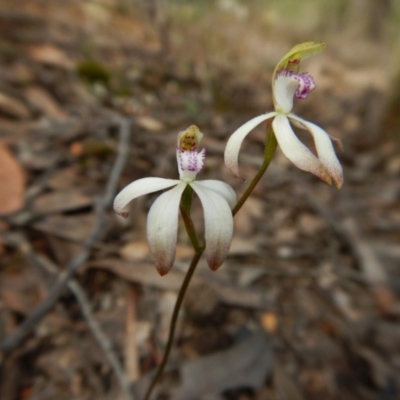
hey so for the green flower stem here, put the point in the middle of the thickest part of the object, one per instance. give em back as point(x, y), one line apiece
point(186, 202)
point(269, 151)
point(174, 319)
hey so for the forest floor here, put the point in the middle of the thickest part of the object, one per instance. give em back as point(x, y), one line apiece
point(307, 304)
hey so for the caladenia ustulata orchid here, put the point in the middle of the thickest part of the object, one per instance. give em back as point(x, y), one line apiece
point(216, 197)
point(288, 83)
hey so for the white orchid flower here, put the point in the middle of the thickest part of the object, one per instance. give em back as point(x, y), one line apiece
point(216, 197)
point(287, 84)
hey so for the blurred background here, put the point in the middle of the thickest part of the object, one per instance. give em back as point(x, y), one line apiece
point(92, 96)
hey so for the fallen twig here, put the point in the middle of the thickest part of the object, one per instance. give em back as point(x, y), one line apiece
point(103, 341)
point(371, 267)
point(26, 327)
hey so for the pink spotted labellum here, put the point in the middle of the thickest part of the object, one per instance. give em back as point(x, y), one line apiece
point(216, 197)
point(285, 86)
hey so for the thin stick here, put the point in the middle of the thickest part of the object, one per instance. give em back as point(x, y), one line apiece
point(105, 344)
point(26, 327)
point(131, 353)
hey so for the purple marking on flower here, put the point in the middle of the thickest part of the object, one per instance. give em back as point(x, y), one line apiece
point(306, 82)
point(191, 160)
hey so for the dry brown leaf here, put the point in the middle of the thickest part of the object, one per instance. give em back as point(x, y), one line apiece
point(61, 201)
point(310, 225)
point(269, 321)
point(21, 292)
point(71, 227)
point(146, 274)
point(372, 267)
point(285, 386)
point(50, 55)
point(12, 128)
point(251, 211)
point(242, 246)
point(150, 124)
point(43, 101)
point(135, 251)
point(12, 182)
point(246, 364)
point(21, 74)
point(183, 251)
point(385, 298)
point(4, 226)
point(13, 107)
point(76, 149)
point(64, 179)
point(64, 250)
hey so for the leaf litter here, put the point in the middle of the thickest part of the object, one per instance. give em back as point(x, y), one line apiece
point(313, 279)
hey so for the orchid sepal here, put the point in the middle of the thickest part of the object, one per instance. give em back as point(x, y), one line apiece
point(139, 188)
point(162, 228)
point(218, 224)
point(235, 141)
point(291, 60)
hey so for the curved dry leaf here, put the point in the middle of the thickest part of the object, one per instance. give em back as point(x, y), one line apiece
point(43, 101)
point(51, 55)
point(12, 182)
point(246, 364)
point(13, 107)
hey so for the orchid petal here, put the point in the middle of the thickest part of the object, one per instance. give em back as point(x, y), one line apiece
point(325, 150)
point(295, 151)
point(218, 223)
point(222, 188)
point(139, 188)
point(162, 228)
point(236, 139)
point(284, 89)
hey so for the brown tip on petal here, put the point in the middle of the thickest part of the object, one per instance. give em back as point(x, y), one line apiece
point(323, 174)
point(124, 214)
point(162, 270)
point(338, 183)
point(235, 173)
point(338, 179)
point(326, 178)
point(213, 266)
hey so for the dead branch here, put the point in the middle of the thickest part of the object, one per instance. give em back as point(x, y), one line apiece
point(26, 327)
point(105, 344)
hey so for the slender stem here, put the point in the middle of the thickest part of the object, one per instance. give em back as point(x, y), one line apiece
point(174, 319)
point(186, 199)
point(190, 230)
point(269, 151)
point(186, 204)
